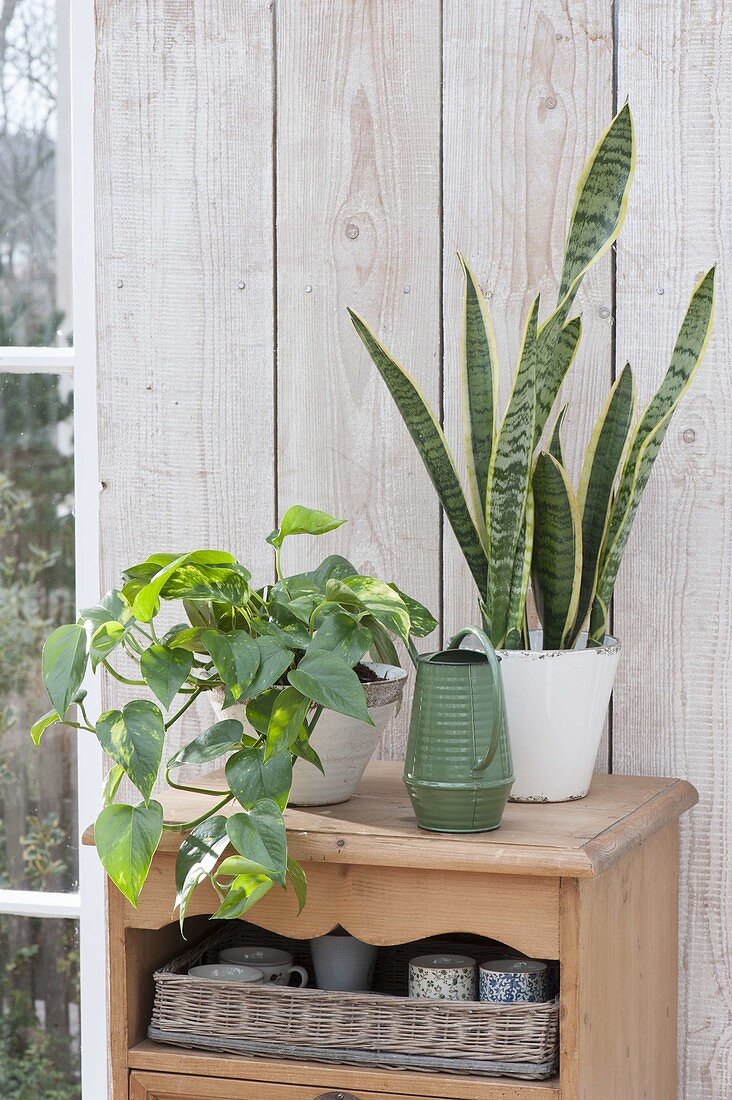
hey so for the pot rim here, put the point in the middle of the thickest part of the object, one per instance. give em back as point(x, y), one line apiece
point(610, 647)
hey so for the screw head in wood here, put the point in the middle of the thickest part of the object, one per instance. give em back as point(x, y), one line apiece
point(604, 312)
point(352, 231)
point(407, 289)
point(689, 435)
point(241, 284)
point(550, 102)
point(308, 289)
point(120, 284)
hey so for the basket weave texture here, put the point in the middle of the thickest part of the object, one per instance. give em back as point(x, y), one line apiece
point(383, 1028)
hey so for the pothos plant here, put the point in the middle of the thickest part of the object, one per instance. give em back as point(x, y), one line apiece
point(286, 651)
point(526, 526)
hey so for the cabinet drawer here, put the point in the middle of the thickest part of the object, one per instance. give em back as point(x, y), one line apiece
point(170, 1086)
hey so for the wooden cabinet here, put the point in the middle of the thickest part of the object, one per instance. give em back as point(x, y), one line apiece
point(592, 884)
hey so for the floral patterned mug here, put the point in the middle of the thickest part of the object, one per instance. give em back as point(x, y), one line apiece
point(513, 980)
point(443, 978)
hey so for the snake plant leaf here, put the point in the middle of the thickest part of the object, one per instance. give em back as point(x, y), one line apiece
point(601, 200)
point(479, 374)
point(508, 483)
point(557, 558)
point(520, 580)
point(557, 347)
point(555, 440)
point(646, 442)
point(597, 479)
point(432, 446)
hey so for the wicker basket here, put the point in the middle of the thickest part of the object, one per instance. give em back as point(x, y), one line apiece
point(380, 1029)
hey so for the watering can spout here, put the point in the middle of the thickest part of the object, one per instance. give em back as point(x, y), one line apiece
point(458, 769)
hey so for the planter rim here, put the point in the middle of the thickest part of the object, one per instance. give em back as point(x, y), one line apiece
point(611, 646)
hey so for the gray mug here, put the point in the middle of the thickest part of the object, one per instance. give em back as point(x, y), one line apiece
point(342, 962)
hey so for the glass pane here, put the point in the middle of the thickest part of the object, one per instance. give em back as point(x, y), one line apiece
point(35, 192)
point(39, 1009)
point(37, 786)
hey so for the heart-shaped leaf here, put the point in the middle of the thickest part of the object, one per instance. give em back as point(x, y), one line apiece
point(344, 635)
point(236, 657)
point(260, 836)
point(302, 748)
point(303, 521)
point(111, 784)
point(298, 878)
point(421, 621)
point(197, 857)
point(114, 607)
point(64, 664)
point(147, 599)
point(225, 584)
point(38, 728)
point(274, 660)
point(126, 839)
point(383, 602)
point(289, 710)
point(328, 680)
point(251, 777)
point(165, 670)
point(105, 639)
point(244, 892)
point(215, 741)
point(134, 738)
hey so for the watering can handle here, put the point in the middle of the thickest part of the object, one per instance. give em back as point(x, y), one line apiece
point(487, 647)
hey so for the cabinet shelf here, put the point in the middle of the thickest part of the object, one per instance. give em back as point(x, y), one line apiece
point(157, 1057)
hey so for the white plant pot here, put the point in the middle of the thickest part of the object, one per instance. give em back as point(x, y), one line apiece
point(556, 704)
point(345, 745)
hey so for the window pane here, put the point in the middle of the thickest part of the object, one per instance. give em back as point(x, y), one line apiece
point(37, 786)
point(35, 196)
point(39, 1009)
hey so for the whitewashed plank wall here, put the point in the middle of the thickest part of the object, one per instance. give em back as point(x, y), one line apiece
point(259, 168)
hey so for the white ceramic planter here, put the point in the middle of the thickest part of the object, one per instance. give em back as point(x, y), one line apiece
point(345, 745)
point(556, 704)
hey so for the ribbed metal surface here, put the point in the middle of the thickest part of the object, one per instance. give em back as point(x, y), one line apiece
point(450, 732)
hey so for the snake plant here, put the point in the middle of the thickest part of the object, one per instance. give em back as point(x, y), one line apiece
point(526, 525)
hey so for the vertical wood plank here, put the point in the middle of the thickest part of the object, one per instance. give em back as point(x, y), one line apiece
point(528, 89)
point(184, 216)
point(673, 606)
point(358, 127)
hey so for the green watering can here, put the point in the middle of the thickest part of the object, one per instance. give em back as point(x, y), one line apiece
point(458, 769)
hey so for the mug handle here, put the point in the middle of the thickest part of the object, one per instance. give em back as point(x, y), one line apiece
point(301, 973)
point(487, 647)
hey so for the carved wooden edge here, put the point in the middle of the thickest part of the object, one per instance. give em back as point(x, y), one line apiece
point(587, 861)
point(631, 831)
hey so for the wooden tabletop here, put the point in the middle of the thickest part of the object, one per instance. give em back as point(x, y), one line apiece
point(377, 826)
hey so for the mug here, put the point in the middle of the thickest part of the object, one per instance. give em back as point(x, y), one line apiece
point(342, 962)
point(224, 972)
point(508, 981)
point(443, 978)
point(276, 965)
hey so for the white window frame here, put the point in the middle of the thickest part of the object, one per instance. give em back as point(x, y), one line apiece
point(88, 904)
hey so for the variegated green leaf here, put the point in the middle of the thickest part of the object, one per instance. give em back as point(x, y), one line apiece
point(600, 201)
point(646, 443)
point(508, 483)
point(557, 347)
point(515, 638)
point(555, 440)
point(557, 557)
point(432, 446)
point(599, 472)
point(479, 373)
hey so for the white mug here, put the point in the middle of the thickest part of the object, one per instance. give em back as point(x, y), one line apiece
point(275, 964)
point(223, 972)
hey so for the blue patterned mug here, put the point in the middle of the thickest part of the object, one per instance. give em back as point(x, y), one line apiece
point(508, 981)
